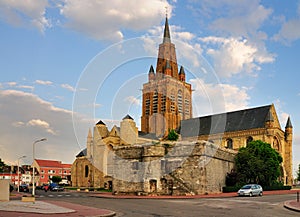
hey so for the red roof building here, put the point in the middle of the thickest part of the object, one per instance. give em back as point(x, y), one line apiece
point(46, 169)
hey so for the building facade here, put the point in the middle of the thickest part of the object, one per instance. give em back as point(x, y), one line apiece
point(46, 169)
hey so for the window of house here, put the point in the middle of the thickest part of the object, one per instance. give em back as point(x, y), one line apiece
point(249, 139)
point(86, 170)
point(229, 144)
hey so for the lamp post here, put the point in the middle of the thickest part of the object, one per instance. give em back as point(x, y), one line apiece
point(19, 172)
point(33, 169)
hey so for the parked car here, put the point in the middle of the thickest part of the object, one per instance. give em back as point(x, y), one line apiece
point(57, 188)
point(23, 188)
point(11, 187)
point(250, 190)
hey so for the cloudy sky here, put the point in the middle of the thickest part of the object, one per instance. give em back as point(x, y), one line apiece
point(65, 64)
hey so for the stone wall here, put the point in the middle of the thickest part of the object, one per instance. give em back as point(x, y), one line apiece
point(178, 168)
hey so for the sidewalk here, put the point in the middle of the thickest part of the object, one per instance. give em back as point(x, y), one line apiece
point(41, 208)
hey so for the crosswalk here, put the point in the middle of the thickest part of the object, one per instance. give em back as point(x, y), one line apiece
point(59, 195)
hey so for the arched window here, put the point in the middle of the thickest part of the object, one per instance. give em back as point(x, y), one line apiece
point(155, 102)
point(229, 144)
point(276, 144)
point(172, 98)
point(86, 170)
point(147, 111)
point(163, 103)
point(249, 139)
point(179, 101)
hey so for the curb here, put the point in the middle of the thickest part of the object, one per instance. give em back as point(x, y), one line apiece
point(287, 205)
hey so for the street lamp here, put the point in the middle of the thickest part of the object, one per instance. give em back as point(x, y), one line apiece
point(19, 172)
point(33, 170)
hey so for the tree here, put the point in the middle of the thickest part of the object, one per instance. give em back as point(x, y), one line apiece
point(56, 179)
point(259, 163)
point(172, 136)
point(298, 173)
point(2, 165)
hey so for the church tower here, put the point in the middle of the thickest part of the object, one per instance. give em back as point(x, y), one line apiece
point(167, 97)
point(288, 158)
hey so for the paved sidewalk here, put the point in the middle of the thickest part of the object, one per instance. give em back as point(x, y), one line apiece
point(50, 208)
point(292, 205)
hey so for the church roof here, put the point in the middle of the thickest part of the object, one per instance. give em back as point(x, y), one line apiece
point(289, 123)
point(167, 37)
point(181, 70)
point(100, 122)
point(82, 153)
point(226, 122)
point(151, 70)
point(127, 117)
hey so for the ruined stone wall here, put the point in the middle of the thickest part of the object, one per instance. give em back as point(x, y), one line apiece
point(178, 168)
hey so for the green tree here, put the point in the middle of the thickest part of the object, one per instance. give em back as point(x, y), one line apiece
point(172, 136)
point(2, 165)
point(259, 163)
point(298, 173)
point(56, 179)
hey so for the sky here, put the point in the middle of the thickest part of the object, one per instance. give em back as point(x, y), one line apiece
point(66, 64)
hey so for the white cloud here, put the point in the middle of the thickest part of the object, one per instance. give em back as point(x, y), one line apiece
point(211, 98)
point(235, 55)
point(105, 20)
point(289, 31)
point(132, 100)
point(42, 124)
point(25, 117)
point(24, 13)
point(68, 87)
point(26, 87)
point(43, 82)
point(11, 84)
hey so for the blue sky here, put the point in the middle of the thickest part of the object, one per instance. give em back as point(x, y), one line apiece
point(65, 64)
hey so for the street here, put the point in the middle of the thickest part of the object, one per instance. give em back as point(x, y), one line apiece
point(266, 206)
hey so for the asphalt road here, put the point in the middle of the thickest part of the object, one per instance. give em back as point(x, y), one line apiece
point(266, 206)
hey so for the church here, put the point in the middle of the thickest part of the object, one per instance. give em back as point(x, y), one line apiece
point(129, 161)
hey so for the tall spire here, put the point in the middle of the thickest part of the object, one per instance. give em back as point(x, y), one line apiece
point(289, 123)
point(167, 37)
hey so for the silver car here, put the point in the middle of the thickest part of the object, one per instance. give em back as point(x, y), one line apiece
point(250, 190)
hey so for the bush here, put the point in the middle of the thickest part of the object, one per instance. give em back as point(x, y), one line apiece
point(228, 189)
point(273, 188)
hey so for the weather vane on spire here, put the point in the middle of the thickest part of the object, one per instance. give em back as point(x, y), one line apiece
point(166, 7)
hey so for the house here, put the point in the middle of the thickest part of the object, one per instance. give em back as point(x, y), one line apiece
point(46, 169)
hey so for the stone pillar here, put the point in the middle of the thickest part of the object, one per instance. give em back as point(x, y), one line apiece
point(4, 190)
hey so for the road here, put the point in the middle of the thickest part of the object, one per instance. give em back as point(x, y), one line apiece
point(266, 206)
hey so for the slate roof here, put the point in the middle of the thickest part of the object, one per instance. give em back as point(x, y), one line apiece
point(82, 153)
point(226, 122)
point(289, 123)
point(167, 37)
point(127, 117)
point(100, 122)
